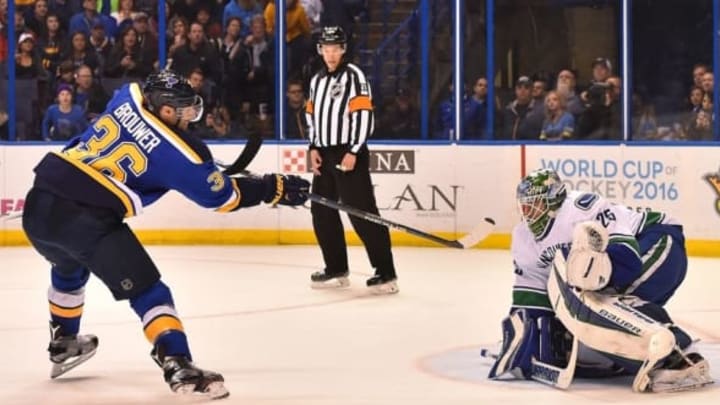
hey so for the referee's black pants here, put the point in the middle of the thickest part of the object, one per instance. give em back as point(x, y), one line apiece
point(355, 189)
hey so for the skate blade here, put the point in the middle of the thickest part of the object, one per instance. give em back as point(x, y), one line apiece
point(213, 390)
point(675, 388)
point(339, 282)
point(384, 289)
point(216, 390)
point(59, 369)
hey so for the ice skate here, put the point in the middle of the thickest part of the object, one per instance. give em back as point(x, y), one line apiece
point(185, 378)
point(381, 285)
point(322, 280)
point(69, 351)
point(681, 372)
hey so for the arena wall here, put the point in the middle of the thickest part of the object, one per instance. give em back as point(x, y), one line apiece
point(444, 189)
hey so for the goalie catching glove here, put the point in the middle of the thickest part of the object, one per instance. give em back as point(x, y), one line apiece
point(588, 265)
point(285, 189)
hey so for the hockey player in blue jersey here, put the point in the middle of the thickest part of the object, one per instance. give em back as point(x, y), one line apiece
point(136, 151)
point(595, 275)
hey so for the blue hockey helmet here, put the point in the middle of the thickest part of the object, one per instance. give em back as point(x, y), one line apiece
point(167, 87)
point(539, 195)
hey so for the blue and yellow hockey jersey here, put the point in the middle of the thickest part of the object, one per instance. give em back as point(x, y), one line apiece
point(129, 158)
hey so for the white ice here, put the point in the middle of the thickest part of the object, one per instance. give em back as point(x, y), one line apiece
point(250, 314)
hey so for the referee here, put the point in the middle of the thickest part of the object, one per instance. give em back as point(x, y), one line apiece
point(340, 120)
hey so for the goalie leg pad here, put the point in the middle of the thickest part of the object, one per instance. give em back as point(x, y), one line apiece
point(605, 323)
point(529, 340)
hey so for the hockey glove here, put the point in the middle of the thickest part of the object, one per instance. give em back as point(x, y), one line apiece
point(588, 265)
point(285, 189)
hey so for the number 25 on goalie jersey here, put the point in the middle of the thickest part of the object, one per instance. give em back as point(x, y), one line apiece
point(134, 156)
point(646, 251)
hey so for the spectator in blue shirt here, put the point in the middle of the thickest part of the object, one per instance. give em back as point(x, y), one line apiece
point(86, 20)
point(559, 124)
point(244, 10)
point(63, 120)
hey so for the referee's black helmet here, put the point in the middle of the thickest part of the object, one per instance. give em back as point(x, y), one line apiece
point(332, 35)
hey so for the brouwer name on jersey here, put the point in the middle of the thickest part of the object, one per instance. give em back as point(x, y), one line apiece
point(136, 126)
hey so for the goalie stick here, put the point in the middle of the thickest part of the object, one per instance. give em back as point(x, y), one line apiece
point(479, 233)
point(549, 374)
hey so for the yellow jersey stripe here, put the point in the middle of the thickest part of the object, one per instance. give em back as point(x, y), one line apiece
point(233, 203)
point(66, 312)
point(162, 129)
point(105, 182)
point(160, 325)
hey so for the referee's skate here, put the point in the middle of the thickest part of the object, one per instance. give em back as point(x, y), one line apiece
point(322, 280)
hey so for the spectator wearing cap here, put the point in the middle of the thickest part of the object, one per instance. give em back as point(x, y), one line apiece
point(602, 117)
point(27, 62)
point(401, 119)
point(64, 119)
point(145, 37)
point(601, 69)
point(101, 43)
point(85, 20)
point(522, 118)
point(245, 10)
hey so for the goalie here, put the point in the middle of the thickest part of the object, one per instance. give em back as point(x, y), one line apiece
point(592, 278)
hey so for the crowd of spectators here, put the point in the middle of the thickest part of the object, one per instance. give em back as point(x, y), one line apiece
point(79, 51)
point(554, 108)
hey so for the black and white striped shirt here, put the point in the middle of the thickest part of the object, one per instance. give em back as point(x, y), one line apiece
point(339, 110)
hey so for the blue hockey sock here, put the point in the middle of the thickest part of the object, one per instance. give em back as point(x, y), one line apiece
point(161, 323)
point(66, 297)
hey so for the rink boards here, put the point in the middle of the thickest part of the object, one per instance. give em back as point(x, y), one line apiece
point(445, 189)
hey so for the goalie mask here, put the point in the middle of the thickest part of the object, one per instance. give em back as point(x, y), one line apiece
point(171, 89)
point(539, 195)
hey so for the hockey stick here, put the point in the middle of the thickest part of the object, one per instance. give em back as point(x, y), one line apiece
point(10, 217)
point(549, 374)
point(252, 146)
point(479, 233)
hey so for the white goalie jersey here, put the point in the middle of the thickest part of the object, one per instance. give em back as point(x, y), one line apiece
point(533, 258)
